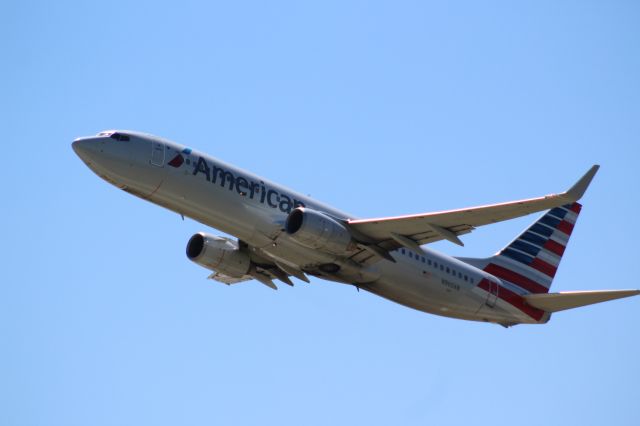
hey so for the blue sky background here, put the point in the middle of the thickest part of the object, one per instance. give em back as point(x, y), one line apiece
point(377, 108)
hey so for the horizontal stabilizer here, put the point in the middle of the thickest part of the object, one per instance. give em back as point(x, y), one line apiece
point(554, 302)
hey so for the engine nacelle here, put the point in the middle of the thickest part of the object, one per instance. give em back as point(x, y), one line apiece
point(218, 254)
point(316, 230)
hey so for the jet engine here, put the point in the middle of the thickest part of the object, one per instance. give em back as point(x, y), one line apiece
point(218, 254)
point(317, 230)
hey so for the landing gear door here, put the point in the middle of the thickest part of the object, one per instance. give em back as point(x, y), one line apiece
point(157, 154)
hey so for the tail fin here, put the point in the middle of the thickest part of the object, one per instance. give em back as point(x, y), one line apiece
point(530, 262)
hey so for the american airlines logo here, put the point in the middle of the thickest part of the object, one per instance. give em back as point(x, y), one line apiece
point(177, 161)
point(240, 184)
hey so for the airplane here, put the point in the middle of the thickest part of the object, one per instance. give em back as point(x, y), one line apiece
point(282, 234)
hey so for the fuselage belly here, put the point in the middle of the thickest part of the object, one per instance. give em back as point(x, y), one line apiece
point(254, 210)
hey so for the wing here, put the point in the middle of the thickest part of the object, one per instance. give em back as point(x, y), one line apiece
point(379, 236)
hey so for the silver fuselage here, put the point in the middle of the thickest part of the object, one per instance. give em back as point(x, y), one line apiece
point(254, 210)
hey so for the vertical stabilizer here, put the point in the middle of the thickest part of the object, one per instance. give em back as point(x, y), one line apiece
point(530, 262)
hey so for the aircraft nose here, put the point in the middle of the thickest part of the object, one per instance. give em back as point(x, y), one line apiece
point(86, 148)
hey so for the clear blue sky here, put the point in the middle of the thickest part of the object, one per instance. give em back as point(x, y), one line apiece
point(377, 108)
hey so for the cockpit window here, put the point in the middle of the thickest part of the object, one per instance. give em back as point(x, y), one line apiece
point(120, 137)
point(114, 135)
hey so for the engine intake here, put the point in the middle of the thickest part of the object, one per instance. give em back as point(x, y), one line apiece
point(316, 230)
point(218, 254)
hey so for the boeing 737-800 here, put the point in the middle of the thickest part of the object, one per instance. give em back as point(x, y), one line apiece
point(283, 234)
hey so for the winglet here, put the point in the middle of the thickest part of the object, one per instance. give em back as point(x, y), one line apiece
point(577, 191)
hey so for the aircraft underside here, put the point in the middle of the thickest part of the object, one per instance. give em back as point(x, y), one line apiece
point(281, 235)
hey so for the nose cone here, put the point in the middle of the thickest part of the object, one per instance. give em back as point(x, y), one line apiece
point(86, 149)
point(107, 157)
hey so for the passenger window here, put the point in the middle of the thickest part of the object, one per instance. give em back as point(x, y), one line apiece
point(402, 250)
point(422, 259)
point(448, 270)
point(429, 262)
point(466, 278)
point(411, 255)
point(442, 267)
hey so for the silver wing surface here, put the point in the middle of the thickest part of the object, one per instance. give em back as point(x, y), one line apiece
point(381, 235)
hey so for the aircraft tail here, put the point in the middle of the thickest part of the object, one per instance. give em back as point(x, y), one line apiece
point(527, 266)
point(530, 262)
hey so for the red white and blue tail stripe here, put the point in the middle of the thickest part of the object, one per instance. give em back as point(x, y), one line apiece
point(529, 263)
point(531, 260)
